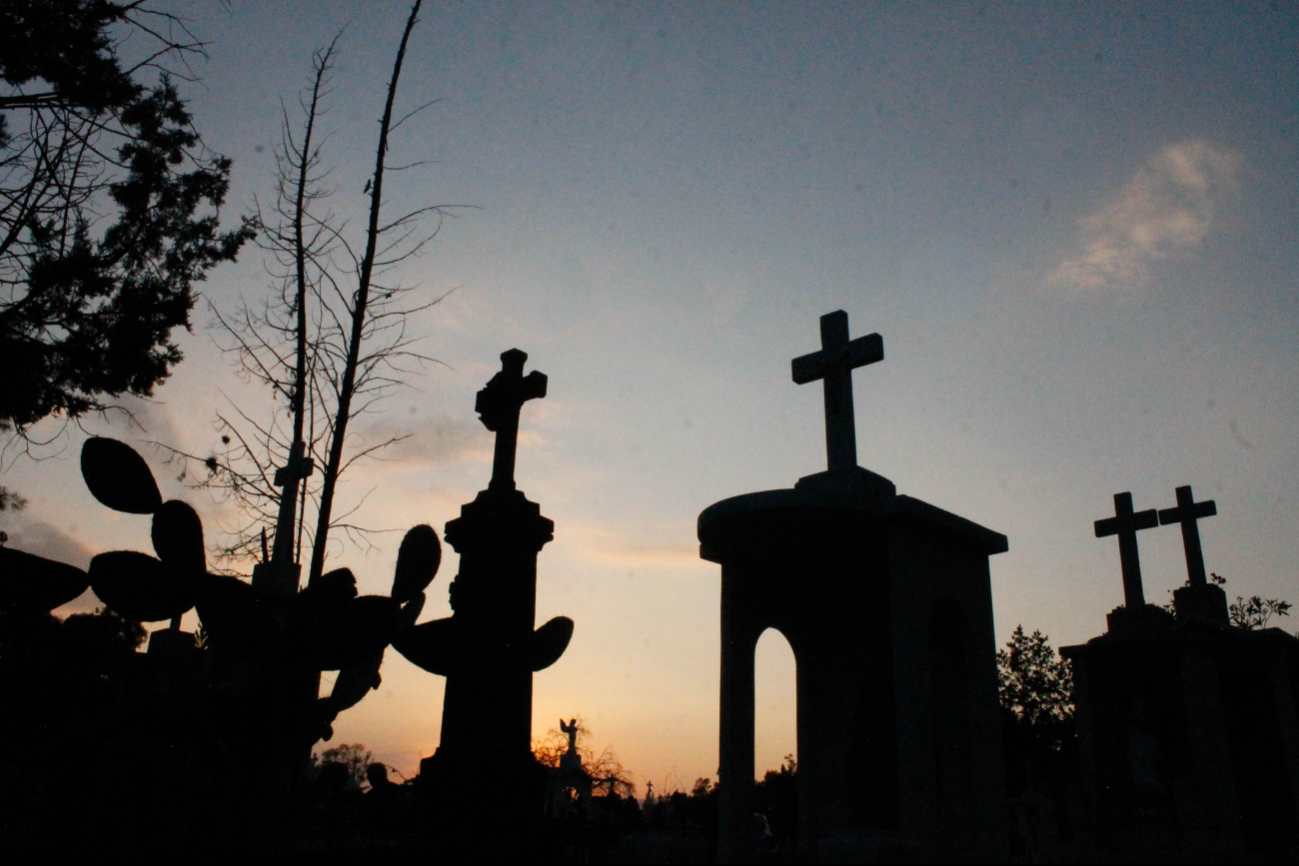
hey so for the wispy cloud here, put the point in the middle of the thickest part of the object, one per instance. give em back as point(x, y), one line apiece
point(430, 440)
point(43, 539)
point(610, 546)
point(1167, 208)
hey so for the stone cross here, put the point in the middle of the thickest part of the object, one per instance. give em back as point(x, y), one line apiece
point(498, 407)
point(1125, 524)
point(1187, 512)
point(297, 469)
point(834, 365)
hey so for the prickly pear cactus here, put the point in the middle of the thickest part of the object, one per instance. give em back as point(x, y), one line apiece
point(324, 627)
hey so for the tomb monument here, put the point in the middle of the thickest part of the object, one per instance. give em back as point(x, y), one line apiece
point(488, 649)
point(886, 603)
point(1187, 733)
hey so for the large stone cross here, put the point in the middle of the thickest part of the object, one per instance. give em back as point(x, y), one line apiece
point(498, 407)
point(1125, 524)
point(1187, 512)
point(834, 364)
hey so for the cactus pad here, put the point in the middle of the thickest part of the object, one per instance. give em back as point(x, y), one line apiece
point(118, 476)
point(33, 583)
point(178, 537)
point(544, 647)
point(140, 587)
point(417, 563)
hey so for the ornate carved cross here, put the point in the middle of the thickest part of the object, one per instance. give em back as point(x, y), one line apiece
point(1187, 512)
point(498, 407)
point(1125, 525)
point(834, 364)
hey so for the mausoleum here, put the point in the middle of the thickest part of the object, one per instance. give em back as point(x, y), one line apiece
point(886, 603)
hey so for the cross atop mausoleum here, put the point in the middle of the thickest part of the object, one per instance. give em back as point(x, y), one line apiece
point(834, 364)
point(498, 406)
point(1125, 524)
point(1187, 512)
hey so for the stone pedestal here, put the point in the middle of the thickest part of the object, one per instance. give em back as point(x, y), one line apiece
point(277, 579)
point(1206, 603)
point(1188, 741)
point(886, 603)
point(486, 744)
point(171, 645)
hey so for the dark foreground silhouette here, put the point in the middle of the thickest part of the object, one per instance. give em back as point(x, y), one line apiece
point(1172, 736)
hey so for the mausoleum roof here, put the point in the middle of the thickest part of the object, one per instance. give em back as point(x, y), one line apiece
point(839, 491)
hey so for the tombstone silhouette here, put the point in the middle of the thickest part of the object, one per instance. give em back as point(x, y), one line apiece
point(1176, 711)
point(488, 649)
point(886, 603)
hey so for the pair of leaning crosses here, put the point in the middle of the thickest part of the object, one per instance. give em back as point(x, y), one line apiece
point(1126, 523)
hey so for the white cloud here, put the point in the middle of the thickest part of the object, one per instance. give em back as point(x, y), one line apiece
point(44, 539)
point(1166, 209)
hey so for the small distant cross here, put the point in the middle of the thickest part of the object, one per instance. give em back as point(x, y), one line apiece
point(1125, 524)
point(834, 364)
point(1187, 512)
point(498, 407)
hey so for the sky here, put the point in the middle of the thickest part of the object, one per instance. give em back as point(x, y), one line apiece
point(1076, 228)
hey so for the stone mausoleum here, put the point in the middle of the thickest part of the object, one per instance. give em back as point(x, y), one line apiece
point(886, 603)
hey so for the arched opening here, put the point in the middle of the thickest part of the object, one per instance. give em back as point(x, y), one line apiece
point(775, 738)
point(775, 703)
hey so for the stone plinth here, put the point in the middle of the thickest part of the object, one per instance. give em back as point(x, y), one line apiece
point(488, 707)
point(485, 753)
point(886, 603)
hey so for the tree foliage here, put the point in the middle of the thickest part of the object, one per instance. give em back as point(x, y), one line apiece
point(1034, 684)
point(11, 501)
point(1036, 690)
point(1248, 614)
point(1253, 613)
point(107, 631)
point(352, 757)
point(108, 207)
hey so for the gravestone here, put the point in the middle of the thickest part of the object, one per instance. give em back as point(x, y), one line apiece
point(886, 603)
point(1187, 734)
point(488, 649)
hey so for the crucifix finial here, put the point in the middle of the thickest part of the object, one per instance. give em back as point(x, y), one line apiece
point(834, 364)
point(1187, 512)
point(498, 406)
point(1125, 524)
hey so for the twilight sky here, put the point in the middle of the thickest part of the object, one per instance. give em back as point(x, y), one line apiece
point(1076, 228)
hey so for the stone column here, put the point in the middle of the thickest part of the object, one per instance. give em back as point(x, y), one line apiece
point(498, 537)
point(735, 774)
